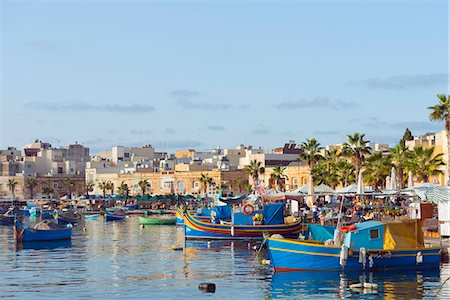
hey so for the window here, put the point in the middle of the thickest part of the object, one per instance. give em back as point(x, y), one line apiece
point(55, 185)
point(374, 234)
point(181, 185)
point(196, 184)
point(295, 182)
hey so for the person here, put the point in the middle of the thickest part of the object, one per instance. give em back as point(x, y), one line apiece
point(314, 211)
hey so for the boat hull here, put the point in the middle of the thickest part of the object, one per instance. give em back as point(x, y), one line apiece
point(111, 217)
point(292, 255)
point(156, 221)
point(196, 229)
point(25, 234)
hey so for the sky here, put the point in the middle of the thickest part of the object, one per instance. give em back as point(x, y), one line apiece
point(203, 74)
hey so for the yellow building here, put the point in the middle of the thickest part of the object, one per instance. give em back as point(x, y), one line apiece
point(169, 182)
point(297, 175)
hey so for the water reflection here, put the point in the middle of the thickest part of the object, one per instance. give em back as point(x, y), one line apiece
point(119, 259)
point(50, 245)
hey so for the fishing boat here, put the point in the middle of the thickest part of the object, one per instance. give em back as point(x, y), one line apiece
point(117, 216)
point(91, 217)
point(365, 246)
point(201, 214)
point(242, 226)
point(70, 217)
point(157, 221)
point(9, 217)
point(43, 231)
point(179, 215)
point(36, 212)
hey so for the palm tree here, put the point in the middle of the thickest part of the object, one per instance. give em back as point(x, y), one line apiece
point(311, 152)
point(206, 181)
point(12, 183)
point(426, 163)
point(377, 168)
point(238, 183)
point(30, 184)
point(356, 148)
point(440, 112)
point(248, 187)
point(47, 191)
point(143, 184)
point(88, 187)
point(104, 186)
point(221, 187)
point(278, 176)
point(68, 183)
point(123, 190)
point(401, 160)
point(254, 169)
point(345, 172)
point(326, 170)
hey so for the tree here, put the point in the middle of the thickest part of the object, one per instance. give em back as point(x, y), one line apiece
point(123, 190)
point(311, 152)
point(425, 163)
point(143, 184)
point(278, 176)
point(356, 149)
point(401, 160)
point(407, 136)
point(104, 186)
point(377, 168)
point(248, 188)
point(345, 172)
point(206, 181)
point(254, 169)
point(88, 187)
point(440, 112)
point(239, 183)
point(30, 184)
point(47, 191)
point(12, 183)
point(326, 169)
point(68, 183)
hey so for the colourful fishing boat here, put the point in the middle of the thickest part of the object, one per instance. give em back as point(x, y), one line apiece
point(242, 227)
point(365, 246)
point(117, 216)
point(43, 231)
point(179, 217)
point(157, 221)
point(37, 212)
point(9, 217)
point(91, 217)
point(68, 217)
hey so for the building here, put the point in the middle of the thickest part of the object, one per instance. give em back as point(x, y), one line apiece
point(439, 141)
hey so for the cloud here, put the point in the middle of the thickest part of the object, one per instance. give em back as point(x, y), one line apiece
point(189, 104)
point(88, 107)
point(216, 128)
point(405, 81)
point(260, 131)
point(140, 131)
point(323, 102)
point(183, 93)
point(320, 132)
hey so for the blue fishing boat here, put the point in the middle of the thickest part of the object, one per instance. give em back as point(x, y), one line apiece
point(36, 212)
point(131, 207)
point(91, 217)
point(179, 217)
point(202, 215)
point(365, 246)
point(71, 217)
point(242, 226)
point(8, 217)
point(117, 216)
point(43, 231)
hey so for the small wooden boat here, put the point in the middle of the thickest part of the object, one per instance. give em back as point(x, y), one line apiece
point(91, 217)
point(370, 245)
point(68, 217)
point(9, 217)
point(157, 221)
point(117, 216)
point(196, 229)
point(43, 231)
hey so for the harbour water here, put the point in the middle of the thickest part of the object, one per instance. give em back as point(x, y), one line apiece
point(123, 260)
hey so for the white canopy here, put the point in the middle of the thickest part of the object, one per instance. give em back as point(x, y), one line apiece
point(320, 189)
